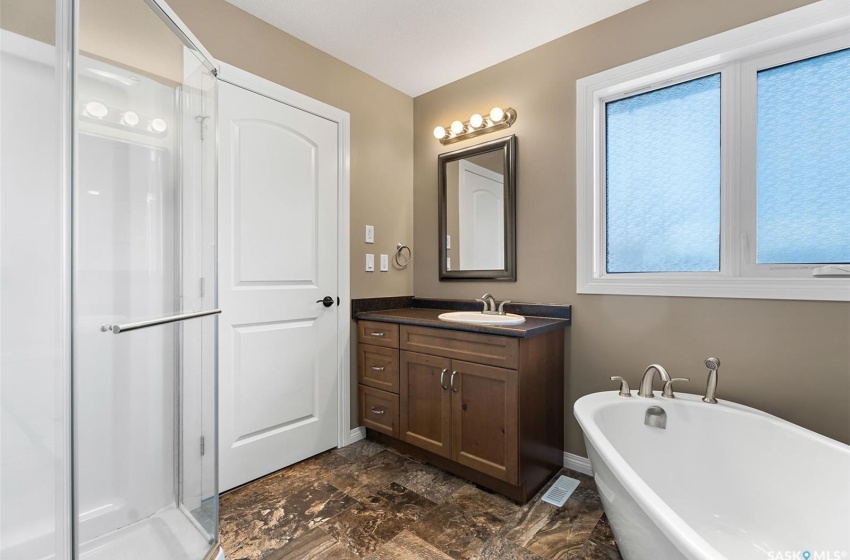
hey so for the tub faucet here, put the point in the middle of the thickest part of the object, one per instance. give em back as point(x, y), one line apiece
point(713, 364)
point(649, 377)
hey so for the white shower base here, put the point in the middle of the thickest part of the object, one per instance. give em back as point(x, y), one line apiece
point(167, 535)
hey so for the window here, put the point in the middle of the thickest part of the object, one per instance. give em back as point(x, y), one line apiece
point(662, 189)
point(721, 168)
point(803, 161)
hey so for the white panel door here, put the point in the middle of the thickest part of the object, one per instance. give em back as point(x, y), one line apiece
point(278, 179)
point(481, 207)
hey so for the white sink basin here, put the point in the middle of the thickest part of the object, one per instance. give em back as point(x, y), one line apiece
point(478, 318)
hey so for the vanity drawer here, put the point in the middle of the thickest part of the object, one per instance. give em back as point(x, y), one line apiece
point(380, 334)
point(378, 367)
point(379, 410)
point(492, 350)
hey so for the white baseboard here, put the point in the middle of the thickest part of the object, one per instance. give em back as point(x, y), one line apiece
point(577, 463)
point(356, 434)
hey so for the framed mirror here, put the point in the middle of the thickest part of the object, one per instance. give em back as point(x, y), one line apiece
point(477, 201)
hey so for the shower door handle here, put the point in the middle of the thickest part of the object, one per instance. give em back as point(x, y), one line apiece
point(118, 329)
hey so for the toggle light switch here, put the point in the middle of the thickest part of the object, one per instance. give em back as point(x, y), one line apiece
point(370, 234)
point(385, 263)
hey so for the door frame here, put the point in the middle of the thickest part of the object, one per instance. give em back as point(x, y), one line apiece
point(276, 92)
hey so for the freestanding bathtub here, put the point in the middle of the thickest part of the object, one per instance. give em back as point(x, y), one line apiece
point(721, 481)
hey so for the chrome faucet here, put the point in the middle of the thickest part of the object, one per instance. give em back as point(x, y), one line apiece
point(490, 305)
point(713, 364)
point(648, 377)
point(667, 392)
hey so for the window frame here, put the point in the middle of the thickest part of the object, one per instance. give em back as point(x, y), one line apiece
point(737, 55)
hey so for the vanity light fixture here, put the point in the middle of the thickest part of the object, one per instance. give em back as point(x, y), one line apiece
point(96, 109)
point(97, 112)
point(130, 118)
point(477, 125)
point(158, 125)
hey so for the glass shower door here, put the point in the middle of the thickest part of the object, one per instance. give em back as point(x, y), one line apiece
point(144, 257)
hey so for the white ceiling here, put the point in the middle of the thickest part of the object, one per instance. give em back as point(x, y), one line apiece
point(419, 45)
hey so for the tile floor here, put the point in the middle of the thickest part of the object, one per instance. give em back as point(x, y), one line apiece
point(369, 501)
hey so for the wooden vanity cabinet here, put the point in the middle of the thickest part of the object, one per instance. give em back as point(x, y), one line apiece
point(486, 407)
point(460, 410)
point(425, 398)
point(377, 375)
point(485, 400)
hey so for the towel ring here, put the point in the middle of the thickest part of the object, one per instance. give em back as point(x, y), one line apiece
point(399, 256)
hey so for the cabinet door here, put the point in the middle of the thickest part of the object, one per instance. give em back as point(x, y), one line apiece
point(425, 402)
point(484, 419)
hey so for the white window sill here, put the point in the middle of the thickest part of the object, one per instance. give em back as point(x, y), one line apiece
point(817, 289)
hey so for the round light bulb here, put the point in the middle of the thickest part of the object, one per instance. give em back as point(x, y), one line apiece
point(439, 133)
point(496, 114)
point(457, 127)
point(96, 109)
point(158, 125)
point(476, 120)
point(130, 118)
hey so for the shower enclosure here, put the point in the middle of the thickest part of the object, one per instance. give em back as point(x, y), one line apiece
point(108, 291)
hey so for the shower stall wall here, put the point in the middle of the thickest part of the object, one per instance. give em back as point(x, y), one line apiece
point(108, 297)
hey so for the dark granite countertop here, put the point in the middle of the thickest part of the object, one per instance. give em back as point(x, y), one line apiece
point(427, 317)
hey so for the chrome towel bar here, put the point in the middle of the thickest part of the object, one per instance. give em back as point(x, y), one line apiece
point(118, 329)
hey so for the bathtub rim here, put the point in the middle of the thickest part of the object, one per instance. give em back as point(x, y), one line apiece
point(681, 534)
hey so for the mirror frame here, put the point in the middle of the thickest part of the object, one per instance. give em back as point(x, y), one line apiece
point(508, 145)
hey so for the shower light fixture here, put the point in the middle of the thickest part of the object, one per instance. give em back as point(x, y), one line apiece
point(477, 125)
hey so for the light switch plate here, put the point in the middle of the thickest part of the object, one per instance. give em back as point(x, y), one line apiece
point(448, 242)
point(385, 263)
point(370, 234)
point(448, 263)
point(370, 262)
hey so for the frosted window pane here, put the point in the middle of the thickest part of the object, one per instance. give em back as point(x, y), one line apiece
point(663, 179)
point(804, 161)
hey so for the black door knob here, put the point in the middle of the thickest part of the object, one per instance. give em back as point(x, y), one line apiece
point(327, 301)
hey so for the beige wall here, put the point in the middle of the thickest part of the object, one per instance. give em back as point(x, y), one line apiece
point(381, 127)
point(789, 358)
